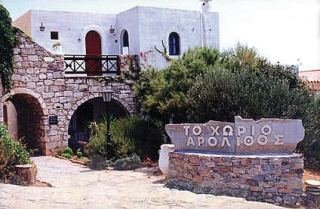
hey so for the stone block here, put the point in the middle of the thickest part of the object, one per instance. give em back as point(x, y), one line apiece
point(48, 82)
point(42, 76)
point(68, 93)
point(33, 58)
point(59, 82)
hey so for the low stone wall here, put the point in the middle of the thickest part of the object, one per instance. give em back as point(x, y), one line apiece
point(272, 179)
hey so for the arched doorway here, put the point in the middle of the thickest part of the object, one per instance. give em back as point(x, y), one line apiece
point(24, 118)
point(90, 111)
point(93, 53)
point(124, 42)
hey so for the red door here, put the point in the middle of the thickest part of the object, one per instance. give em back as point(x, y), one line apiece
point(93, 53)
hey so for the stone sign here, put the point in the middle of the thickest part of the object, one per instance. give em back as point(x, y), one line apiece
point(245, 136)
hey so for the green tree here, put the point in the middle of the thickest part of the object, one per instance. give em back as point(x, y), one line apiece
point(310, 146)
point(162, 95)
point(221, 94)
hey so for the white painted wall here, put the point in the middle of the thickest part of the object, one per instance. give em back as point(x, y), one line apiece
point(129, 21)
point(72, 26)
point(155, 25)
point(147, 27)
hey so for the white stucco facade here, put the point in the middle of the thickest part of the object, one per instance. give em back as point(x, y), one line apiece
point(147, 27)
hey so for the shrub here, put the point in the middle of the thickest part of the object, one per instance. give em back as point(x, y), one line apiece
point(68, 151)
point(165, 95)
point(310, 146)
point(11, 153)
point(129, 135)
point(143, 137)
point(79, 154)
point(129, 163)
point(162, 95)
point(221, 94)
point(97, 162)
point(97, 143)
point(66, 155)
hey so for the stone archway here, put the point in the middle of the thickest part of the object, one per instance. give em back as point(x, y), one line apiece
point(91, 110)
point(24, 116)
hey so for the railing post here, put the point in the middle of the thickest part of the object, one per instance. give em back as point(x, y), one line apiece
point(118, 65)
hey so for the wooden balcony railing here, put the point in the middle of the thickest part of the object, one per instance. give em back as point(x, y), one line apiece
point(91, 65)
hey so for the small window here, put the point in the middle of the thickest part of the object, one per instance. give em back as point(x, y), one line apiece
point(124, 42)
point(54, 35)
point(174, 44)
point(125, 39)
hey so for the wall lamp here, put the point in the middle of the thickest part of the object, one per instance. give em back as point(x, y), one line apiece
point(42, 28)
point(111, 30)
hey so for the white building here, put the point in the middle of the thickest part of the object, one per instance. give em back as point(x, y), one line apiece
point(136, 31)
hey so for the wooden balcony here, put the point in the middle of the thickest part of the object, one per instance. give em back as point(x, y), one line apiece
point(92, 65)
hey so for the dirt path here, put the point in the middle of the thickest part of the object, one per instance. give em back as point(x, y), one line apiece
point(75, 186)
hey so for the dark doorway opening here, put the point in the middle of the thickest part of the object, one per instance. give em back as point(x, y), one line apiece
point(93, 110)
point(24, 121)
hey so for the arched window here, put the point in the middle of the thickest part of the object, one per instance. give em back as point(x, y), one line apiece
point(174, 44)
point(124, 42)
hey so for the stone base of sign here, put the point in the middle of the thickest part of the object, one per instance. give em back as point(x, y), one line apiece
point(274, 179)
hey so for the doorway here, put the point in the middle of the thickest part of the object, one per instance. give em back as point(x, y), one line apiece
point(93, 54)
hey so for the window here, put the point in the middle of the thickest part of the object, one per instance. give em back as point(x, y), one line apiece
point(125, 39)
point(124, 42)
point(174, 44)
point(54, 35)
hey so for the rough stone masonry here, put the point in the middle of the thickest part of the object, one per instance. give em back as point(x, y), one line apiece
point(39, 81)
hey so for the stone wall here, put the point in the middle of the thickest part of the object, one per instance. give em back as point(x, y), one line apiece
point(273, 179)
point(40, 75)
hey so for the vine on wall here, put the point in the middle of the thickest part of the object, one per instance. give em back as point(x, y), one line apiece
point(8, 41)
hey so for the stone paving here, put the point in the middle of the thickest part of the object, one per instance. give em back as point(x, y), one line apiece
point(75, 186)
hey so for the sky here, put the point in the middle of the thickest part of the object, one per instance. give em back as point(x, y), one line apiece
point(281, 30)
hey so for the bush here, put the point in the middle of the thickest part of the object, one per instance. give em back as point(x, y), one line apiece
point(129, 135)
point(222, 94)
point(165, 98)
point(68, 151)
point(129, 163)
point(310, 146)
point(97, 143)
point(97, 162)
point(145, 137)
point(11, 153)
point(162, 95)
point(79, 154)
point(66, 155)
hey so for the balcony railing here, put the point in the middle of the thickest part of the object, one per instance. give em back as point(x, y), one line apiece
point(91, 65)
